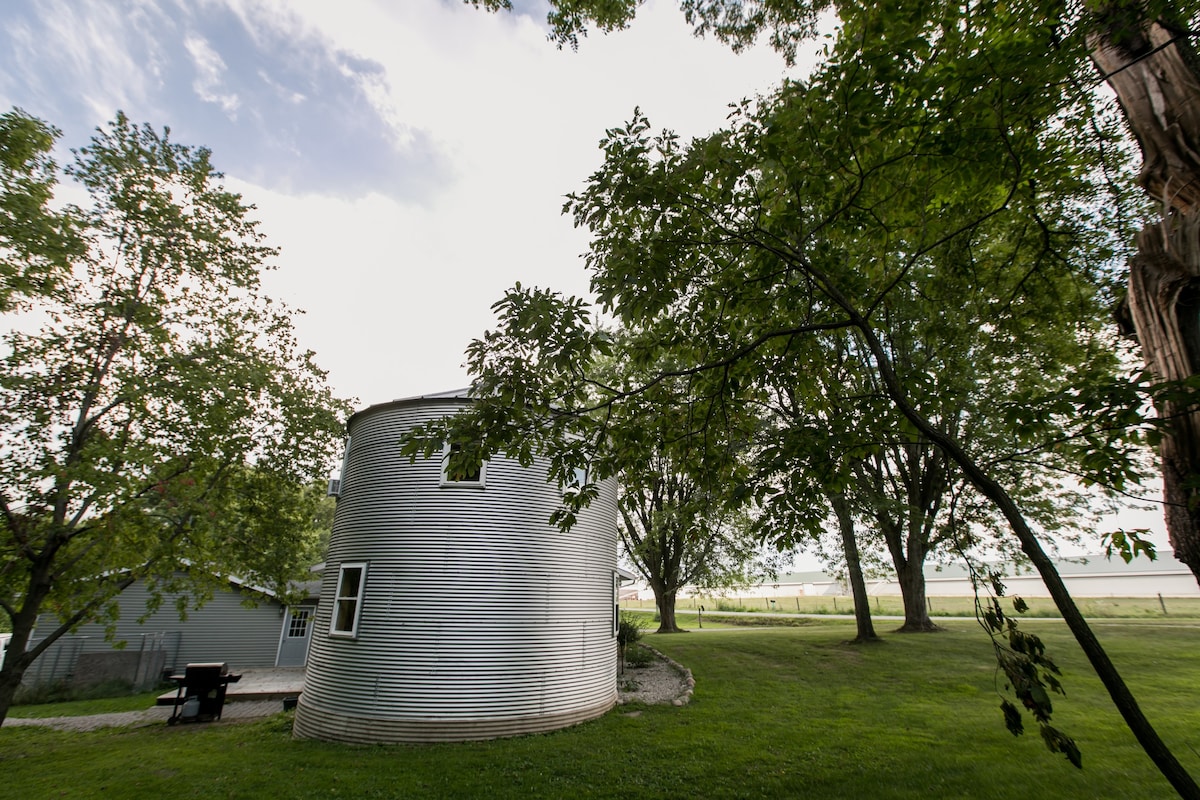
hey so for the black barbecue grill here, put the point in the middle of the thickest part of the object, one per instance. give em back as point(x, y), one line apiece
point(201, 692)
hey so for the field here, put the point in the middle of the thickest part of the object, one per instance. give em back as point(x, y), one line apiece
point(1092, 607)
point(777, 712)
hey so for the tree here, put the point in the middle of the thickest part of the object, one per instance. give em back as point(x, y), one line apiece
point(155, 406)
point(837, 444)
point(805, 458)
point(679, 525)
point(1144, 52)
point(36, 243)
point(941, 149)
point(966, 374)
point(676, 536)
point(315, 509)
point(1142, 49)
point(757, 237)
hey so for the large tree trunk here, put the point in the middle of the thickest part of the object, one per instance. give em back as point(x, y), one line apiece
point(1164, 290)
point(18, 656)
point(858, 585)
point(10, 680)
point(1156, 77)
point(664, 600)
point(910, 574)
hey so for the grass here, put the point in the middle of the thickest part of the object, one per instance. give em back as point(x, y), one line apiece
point(784, 712)
point(717, 621)
point(1092, 607)
point(87, 706)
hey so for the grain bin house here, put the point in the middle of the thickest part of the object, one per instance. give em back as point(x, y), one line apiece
point(452, 610)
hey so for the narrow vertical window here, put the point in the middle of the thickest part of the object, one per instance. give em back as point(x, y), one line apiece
point(347, 603)
point(341, 478)
point(616, 621)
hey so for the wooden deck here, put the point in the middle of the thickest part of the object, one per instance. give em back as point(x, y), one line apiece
point(257, 684)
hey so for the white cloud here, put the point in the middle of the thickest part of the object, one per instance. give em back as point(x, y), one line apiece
point(395, 292)
point(210, 75)
point(96, 51)
point(283, 92)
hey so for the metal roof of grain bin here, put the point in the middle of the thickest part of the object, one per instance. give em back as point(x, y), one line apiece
point(476, 617)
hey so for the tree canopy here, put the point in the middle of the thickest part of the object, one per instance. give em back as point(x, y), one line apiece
point(36, 242)
point(934, 142)
point(156, 409)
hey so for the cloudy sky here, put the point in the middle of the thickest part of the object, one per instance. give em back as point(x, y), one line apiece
point(409, 158)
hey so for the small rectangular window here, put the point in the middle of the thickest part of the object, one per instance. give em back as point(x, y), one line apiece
point(347, 603)
point(298, 626)
point(474, 478)
point(341, 478)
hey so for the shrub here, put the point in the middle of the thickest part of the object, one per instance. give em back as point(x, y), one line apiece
point(630, 628)
point(638, 656)
point(629, 631)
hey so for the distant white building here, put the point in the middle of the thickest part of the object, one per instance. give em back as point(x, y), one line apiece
point(1085, 576)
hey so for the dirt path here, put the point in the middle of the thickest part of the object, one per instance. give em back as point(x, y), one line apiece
point(233, 712)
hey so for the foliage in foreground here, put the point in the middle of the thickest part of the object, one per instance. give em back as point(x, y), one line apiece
point(785, 713)
point(155, 406)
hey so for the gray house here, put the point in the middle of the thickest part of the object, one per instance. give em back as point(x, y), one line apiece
point(242, 626)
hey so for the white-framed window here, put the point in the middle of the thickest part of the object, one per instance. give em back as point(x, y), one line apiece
point(616, 621)
point(578, 479)
point(298, 624)
point(337, 483)
point(474, 479)
point(347, 601)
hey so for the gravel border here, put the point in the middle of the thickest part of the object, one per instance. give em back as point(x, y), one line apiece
point(662, 681)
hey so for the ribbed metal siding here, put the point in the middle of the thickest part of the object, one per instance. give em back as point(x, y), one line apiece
point(479, 619)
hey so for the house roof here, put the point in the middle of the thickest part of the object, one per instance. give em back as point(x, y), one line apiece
point(449, 395)
point(457, 394)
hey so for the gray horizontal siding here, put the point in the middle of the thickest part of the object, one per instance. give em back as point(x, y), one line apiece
point(478, 616)
point(222, 630)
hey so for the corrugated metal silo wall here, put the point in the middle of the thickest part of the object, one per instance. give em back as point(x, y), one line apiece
point(479, 619)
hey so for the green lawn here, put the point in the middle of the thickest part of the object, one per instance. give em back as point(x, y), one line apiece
point(80, 708)
point(780, 712)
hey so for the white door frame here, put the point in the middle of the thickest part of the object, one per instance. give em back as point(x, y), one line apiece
point(310, 612)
